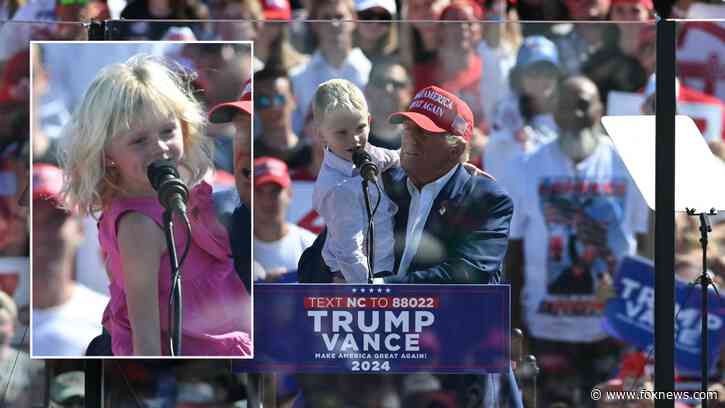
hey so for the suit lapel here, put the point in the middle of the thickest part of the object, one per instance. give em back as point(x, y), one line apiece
point(395, 182)
point(443, 208)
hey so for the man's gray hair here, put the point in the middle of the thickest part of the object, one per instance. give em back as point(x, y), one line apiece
point(455, 140)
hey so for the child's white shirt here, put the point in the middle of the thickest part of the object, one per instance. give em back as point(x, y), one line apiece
point(339, 199)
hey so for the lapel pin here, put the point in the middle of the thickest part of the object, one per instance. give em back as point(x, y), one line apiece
point(442, 209)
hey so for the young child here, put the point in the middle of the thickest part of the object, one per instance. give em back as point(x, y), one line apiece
point(343, 122)
point(133, 114)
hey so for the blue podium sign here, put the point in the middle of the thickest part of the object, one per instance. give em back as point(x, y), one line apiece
point(630, 315)
point(380, 328)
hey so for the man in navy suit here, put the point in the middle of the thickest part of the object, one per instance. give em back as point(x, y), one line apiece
point(451, 226)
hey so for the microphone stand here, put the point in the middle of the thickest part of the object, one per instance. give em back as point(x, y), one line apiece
point(176, 308)
point(370, 231)
point(704, 281)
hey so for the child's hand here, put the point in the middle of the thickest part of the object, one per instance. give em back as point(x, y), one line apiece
point(475, 171)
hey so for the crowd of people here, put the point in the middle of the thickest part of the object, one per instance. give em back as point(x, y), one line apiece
point(536, 92)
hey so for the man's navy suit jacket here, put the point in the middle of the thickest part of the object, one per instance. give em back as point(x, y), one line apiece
point(464, 239)
point(465, 236)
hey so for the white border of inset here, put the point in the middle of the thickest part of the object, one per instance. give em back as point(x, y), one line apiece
point(30, 204)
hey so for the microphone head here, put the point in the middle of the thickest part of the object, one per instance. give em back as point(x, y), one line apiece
point(160, 168)
point(360, 156)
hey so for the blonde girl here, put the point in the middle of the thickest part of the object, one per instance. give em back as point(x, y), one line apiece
point(135, 113)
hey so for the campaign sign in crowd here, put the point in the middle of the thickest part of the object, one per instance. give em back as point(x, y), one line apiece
point(630, 314)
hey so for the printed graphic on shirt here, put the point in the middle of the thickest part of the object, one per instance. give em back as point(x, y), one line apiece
point(584, 223)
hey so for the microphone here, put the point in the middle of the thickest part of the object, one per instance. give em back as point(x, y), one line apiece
point(363, 161)
point(165, 179)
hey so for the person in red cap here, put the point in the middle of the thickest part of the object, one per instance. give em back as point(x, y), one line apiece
point(247, 13)
point(278, 244)
point(240, 114)
point(66, 314)
point(626, 12)
point(440, 204)
point(457, 67)
point(272, 44)
point(450, 226)
point(466, 215)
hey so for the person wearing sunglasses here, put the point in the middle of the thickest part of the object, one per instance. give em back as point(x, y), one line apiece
point(376, 36)
point(391, 87)
point(275, 104)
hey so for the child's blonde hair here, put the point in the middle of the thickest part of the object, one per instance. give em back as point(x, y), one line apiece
point(338, 95)
point(120, 98)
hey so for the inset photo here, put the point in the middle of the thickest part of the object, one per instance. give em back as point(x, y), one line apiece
point(140, 211)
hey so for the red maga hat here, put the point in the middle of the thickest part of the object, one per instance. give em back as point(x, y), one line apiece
point(471, 11)
point(277, 9)
point(271, 170)
point(648, 4)
point(224, 112)
point(47, 182)
point(438, 111)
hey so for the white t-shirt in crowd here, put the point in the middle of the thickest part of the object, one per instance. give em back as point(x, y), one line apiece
point(513, 138)
point(284, 253)
point(90, 268)
point(66, 330)
point(496, 68)
point(306, 78)
point(577, 222)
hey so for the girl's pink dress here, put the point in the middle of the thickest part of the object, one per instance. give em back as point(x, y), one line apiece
point(216, 305)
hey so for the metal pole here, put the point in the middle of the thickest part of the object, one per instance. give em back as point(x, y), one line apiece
point(93, 383)
point(664, 215)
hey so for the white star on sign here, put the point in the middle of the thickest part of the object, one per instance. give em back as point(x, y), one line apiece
point(354, 290)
